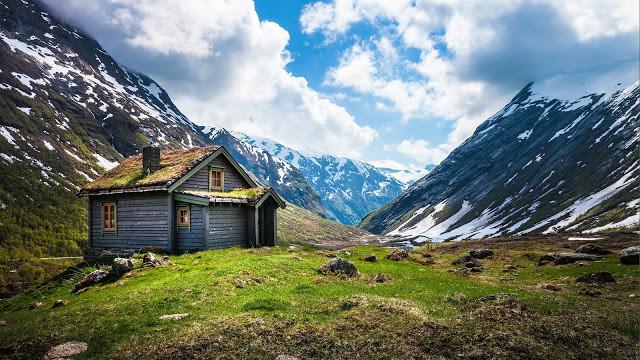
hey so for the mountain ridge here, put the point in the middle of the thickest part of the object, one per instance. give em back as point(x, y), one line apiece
point(550, 158)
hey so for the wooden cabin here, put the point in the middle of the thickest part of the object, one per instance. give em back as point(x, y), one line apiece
point(198, 198)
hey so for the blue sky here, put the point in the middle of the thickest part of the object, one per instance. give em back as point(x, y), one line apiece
point(398, 82)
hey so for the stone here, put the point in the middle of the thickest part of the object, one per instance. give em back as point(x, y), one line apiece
point(472, 263)
point(173, 316)
point(475, 269)
point(286, 357)
point(121, 266)
point(369, 258)
point(463, 259)
point(597, 277)
point(509, 269)
point(35, 305)
point(630, 255)
point(3, 323)
point(567, 258)
point(481, 253)
point(550, 287)
point(381, 278)
point(593, 249)
point(150, 260)
point(66, 350)
point(397, 255)
point(338, 266)
point(59, 303)
point(589, 292)
point(93, 278)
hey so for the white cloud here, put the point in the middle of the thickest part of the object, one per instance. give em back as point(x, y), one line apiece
point(421, 151)
point(473, 56)
point(222, 66)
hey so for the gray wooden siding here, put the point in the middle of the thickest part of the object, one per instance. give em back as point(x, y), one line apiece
point(227, 226)
point(232, 178)
point(141, 221)
point(193, 238)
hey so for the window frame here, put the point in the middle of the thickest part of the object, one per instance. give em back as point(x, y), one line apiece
point(211, 171)
point(112, 217)
point(180, 224)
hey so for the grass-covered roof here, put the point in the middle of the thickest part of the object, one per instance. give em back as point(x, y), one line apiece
point(174, 164)
point(251, 194)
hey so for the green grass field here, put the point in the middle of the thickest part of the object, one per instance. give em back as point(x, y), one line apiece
point(258, 303)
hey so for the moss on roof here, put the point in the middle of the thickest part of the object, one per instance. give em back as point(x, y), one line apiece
point(174, 164)
point(251, 194)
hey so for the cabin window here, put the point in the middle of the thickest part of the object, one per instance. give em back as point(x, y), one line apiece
point(216, 180)
point(183, 217)
point(109, 216)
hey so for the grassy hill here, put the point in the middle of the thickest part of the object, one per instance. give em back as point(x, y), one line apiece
point(260, 303)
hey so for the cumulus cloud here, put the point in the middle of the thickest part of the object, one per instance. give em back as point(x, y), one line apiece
point(473, 56)
point(421, 151)
point(222, 66)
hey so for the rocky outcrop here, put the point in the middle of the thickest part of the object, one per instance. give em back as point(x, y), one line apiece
point(567, 258)
point(93, 278)
point(339, 266)
point(597, 277)
point(121, 266)
point(630, 255)
point(593, 249)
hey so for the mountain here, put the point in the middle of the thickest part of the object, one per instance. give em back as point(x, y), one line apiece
point(561, 156)
point(405, 175)
point(288, 181)
point(68, 111)
point(349, 189)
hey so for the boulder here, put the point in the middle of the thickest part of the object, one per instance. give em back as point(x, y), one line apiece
point(121, 266)
point(369, 258)
point(66, 350)
point(150, 260)
point(481, 253)
point(597, 277)
point(568, 258)
point(589, 292)
point(472, 263)
point(338, 266)
point(463, 259)
point(60, 303)
point(550, 287)
point(381, 278)
point(397, 255)
point(630, 255)
point(173, 316)
point(593, 249)
point(96, 277)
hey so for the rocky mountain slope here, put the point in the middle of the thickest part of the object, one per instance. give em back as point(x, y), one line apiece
point(349, 189)
point(288, 181)
point(562, 155)
point(68, 111)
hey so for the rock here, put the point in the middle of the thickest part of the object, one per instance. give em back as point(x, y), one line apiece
point(589, 292)
point(630, 255)
point(473, 263)
point(480, 253)
point(475, 269)
point(173, 316)
point(68, 349)
point(120, 266)
point(510, 269)
point(463, 259)
point(546, 258)
point(286, 357)
point(397, 255)
point(369, 258)
point(338, 266)
point(3, 323)
point(96, 277)
point(35, 305)
point(381, 278)
point(550, 287)
point(567, 258)
point(597, 277)
point(60, 303)
point(593, 249)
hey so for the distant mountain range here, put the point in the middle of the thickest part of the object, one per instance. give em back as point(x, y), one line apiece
point(561, 156)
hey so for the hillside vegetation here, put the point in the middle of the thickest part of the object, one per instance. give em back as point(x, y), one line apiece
point(260, 303)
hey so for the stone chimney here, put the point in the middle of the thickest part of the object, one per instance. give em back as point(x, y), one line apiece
point(150, 159)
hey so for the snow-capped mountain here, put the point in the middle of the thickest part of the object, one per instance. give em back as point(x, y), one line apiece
point(268, 169)
point(349, 189)
point(561, 156)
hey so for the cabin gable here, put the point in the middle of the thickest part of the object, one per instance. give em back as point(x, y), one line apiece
point(232, 178)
